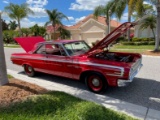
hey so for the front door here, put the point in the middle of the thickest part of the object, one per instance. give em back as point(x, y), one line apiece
point(57, 61)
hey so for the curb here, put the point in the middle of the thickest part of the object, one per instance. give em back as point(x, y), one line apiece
point(150, 56)
point(133, 110)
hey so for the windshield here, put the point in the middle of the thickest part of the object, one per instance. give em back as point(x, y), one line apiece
point(76, 48)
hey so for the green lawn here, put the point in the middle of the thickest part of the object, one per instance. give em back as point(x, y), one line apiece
point(131, 48)
point(9, 76)
point(12, 46)
point(59, 106)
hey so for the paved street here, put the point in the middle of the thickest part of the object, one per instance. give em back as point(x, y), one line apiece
point(144, 91)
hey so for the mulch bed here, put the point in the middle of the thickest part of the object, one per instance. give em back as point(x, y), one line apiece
point(17, 90)
point(152, 53)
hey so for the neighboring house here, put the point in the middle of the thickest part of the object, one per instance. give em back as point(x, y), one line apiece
point(146, 33)
point(50, 32)
point(88, 29)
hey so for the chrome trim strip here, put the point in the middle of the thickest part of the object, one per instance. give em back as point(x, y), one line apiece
point(74, 62)
point(115, 74)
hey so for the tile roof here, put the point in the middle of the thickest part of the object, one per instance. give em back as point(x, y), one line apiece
point(100, 19)
point(50, 29)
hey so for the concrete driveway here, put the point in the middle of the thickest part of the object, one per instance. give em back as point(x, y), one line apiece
point(144, 91)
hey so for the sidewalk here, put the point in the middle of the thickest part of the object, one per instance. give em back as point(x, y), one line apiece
point(134, 110)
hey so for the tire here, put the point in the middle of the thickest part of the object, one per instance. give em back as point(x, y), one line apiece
point(29, 70)
point(96, 83)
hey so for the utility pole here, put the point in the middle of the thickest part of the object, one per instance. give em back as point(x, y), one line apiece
point(3, 71)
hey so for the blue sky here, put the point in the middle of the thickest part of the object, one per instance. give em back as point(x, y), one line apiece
point(75, 10)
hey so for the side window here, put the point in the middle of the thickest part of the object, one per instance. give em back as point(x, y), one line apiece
point(41, 50)
point(51, 49)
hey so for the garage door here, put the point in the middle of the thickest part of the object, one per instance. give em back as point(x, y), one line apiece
point(92, 37)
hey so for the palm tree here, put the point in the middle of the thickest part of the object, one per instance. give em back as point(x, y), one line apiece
point(18, 12)
point(3, 71)
point(103, 10)
point(157, 3)
point(55, 18)
point(147, 10)
point(64, 33)
point(149, 22)
point(117, 7)
point(35, 30)
point(12, 25)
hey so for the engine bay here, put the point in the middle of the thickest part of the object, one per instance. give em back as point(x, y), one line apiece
point(114, 57)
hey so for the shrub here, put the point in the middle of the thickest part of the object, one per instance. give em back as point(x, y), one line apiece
point(139, 43)
point(142, 39)
point(135, 39)
point(121, 39)
point(8, 36)
point(151, 43)
point(128, 43)
point(144, 43)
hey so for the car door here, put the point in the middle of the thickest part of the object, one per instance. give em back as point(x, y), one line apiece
point(56, 60)
point(38, 59)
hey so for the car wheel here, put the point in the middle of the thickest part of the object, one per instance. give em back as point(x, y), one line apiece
point(29, 70)
point(96, 83)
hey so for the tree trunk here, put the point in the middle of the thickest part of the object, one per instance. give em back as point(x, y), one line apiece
point(54, 28)
point(128, 32)
point(20, 32)
point(158, 28)
point(3, 71)
point(153, 33)
point(108, 24)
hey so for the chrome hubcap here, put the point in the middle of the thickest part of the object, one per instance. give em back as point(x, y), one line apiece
point(95, 82)
point(30, 69)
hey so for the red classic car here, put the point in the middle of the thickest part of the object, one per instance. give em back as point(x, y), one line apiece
point(74, 59)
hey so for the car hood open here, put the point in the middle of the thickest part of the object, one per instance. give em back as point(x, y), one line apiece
point(27, 43)
point(111, 37)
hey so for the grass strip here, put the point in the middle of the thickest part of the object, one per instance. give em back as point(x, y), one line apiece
point(58, 106)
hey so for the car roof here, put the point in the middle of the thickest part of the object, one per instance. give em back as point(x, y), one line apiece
point(59, 41)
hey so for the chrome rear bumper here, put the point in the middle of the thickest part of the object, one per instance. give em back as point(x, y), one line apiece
point(122, 82)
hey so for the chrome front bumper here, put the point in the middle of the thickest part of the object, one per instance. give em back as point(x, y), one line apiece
point(122, 82)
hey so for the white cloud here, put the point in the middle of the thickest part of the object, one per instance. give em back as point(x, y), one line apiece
point(5, 1)
point(38, 13)
point(37, 6)
point(37, 3)
point(114, 19)
point(70, 18)
point(4, 15)
point(124, 17)
point(68, 25)
point(27, 23)
point(79, 19)
point(87, 4)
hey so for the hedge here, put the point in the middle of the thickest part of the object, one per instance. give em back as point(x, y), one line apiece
point(139, 43)
point(141, 39)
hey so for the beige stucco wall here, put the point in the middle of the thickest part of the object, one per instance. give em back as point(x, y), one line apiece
point(91, 31)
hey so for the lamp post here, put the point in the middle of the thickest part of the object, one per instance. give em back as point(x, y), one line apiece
point(3, 71)
point(109, 21)
point(157, 3)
